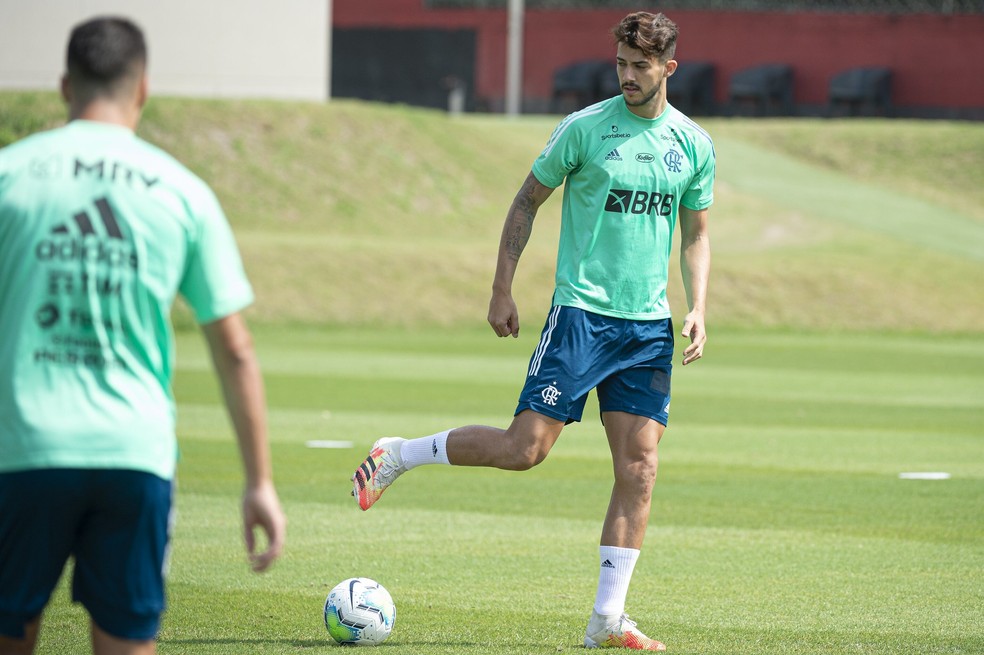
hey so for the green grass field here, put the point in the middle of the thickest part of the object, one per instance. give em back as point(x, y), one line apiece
point(846, 347)
point(779, 525)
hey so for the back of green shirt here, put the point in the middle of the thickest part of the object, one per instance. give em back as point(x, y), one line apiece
point(626, 178)
point(99, 231)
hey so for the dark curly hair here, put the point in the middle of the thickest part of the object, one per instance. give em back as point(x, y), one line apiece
point(654, 34)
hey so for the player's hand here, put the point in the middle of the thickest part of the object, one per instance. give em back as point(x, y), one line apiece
point(261, 509)
point(693, 328)
point(503, 315)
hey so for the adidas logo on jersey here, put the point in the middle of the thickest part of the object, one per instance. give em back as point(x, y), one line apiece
point(85, 225)
point(88, 246)
point(613, 156)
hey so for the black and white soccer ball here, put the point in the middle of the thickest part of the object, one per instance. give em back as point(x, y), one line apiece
point(359, 611)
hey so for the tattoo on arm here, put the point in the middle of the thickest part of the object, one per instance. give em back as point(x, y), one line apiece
point(520, 224)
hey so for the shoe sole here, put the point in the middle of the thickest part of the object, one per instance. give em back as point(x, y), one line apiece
point(591, 643)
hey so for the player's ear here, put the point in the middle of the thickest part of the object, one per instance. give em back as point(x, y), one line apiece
point(671, 67)
point(143, 90)
point(66, 89)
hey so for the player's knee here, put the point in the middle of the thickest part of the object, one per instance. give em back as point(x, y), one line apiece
point(640, 473)
point(529, 458)
point(527, 452)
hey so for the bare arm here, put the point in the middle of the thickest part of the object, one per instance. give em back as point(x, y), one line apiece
point(231, 346)
point(503, 314)
point(695, 265)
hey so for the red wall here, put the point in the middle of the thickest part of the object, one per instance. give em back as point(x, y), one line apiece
point(936, 61)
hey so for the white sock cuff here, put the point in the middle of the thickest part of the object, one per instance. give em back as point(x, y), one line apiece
point(426, 450)
point(614, 576)
point(622, 559)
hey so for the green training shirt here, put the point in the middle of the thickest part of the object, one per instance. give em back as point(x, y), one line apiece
point(99, 231)
point(626, 178)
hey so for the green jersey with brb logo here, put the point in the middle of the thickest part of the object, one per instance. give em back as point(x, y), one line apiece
point(626, 178)
point(99, 231)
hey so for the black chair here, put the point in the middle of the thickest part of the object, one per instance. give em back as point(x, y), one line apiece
point(577, 85)
point(608, 80)
point(691, 88)
point(767, 89)
point(861, 91)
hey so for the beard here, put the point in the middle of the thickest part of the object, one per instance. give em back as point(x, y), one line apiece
point(645, 99)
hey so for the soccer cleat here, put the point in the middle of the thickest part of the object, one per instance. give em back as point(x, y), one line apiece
point(617, 632)
point(378, 471)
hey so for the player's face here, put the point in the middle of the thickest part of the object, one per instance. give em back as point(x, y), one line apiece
point(642, 79)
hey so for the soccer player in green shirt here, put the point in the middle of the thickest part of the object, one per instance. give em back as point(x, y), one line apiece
point(635, 168)
point(99, 231)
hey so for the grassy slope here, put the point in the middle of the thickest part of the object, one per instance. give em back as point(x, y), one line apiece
point(352, 213)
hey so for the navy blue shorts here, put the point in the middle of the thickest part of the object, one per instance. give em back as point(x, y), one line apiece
point(115, 523)
point(629, 363)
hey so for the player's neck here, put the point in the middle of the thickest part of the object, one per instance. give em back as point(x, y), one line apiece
point(101, 111)
point(650, 110)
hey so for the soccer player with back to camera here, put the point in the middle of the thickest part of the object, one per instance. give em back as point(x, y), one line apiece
point(99, 231)
point(634, 167)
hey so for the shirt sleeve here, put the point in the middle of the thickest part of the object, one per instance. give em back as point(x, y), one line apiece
point(560, 156)
point(214, 283)
point(700, 194)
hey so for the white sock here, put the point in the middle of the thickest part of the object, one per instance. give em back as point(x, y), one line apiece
point(426, 450)
point(613, 581)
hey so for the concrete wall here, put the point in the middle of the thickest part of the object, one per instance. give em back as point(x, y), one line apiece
point(219, 48)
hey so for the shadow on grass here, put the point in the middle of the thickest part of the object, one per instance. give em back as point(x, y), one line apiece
point(430, 646)
point(301, 643)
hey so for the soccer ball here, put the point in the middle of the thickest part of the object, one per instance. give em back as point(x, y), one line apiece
point(359, 611)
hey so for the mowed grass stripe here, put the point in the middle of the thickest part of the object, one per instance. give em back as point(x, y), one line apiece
point(830, 195)
point(828, 388)
point(960, 390)
point(829, 493)
point(820, 449)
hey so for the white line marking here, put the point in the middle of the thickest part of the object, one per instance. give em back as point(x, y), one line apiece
point(924, 475)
